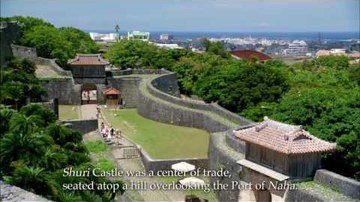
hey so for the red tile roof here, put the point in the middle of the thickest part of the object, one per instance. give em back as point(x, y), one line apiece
point(250, 54)
point(284, 138)
point(88, 59)
point(111, 91)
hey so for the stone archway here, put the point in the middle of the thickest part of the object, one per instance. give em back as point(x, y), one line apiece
point(89, 94)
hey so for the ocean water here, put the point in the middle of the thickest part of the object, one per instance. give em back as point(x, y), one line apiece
point(308, 36)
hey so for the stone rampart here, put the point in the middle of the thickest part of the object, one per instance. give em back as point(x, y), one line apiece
point(9, 32)
point(160, 106)
point(118, 72)
point(30, 53)
point(24, 52)
point(64, 89)
point(347, 186)
point(82, 125)
point(221, 156)
point(129, 89)
point(154, 88)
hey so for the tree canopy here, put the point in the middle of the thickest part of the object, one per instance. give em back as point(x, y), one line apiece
point(19, 85)
point(51, 42)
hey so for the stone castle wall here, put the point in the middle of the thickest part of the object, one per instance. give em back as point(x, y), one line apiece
point(83, 126)
point(64, 89)
point(345, 185)
point(30, 53)
point(162, 107)
point(157, 87)
point(129, 89)
point(221, 156)
point(9, 33)
point(24, 52)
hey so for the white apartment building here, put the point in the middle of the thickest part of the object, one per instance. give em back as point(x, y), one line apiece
point(297, 47)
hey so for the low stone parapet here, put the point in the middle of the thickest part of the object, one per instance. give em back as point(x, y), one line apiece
point(81, 125)
point(345, 185)
point(165, 164)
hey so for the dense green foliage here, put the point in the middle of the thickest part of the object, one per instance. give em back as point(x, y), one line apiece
point(139, 54)
point(34, 149)
point(235, 85)
point(51, 42)
point(19, 84)
point(326, 101)
point(216, 48)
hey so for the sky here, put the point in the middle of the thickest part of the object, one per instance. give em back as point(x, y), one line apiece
point(194, 15)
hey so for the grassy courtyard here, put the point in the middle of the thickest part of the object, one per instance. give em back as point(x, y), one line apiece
point(68, 112)
point(161, 141)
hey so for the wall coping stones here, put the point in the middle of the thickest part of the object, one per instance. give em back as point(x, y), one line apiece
point(345, 185)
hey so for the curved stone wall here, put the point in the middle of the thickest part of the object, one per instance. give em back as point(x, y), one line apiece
point(221, 156)
point(163, 107)
point(154, 87)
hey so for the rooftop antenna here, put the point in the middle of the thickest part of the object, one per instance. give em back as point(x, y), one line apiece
point(117, 28)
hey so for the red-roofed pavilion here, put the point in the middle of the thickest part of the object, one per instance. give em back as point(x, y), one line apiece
point(284, 148)
point(112, 96)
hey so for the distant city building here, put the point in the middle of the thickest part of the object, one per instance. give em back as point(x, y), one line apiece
point(334, 51)
point(144, 36)
point(249, 55)
point(166, 37)
point(355, 55)
point(168, 46)
point(111, 37)
point(297, 48)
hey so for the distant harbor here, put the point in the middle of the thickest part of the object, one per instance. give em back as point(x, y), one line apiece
point(307, 36)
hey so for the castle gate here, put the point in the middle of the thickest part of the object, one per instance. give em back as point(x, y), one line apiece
point(89, 94)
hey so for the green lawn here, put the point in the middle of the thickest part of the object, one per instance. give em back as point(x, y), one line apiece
point(68, 112)
point(161, 141)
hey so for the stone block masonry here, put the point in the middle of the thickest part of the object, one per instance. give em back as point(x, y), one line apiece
point(346, 186)
point(83, 126)
point(160, 106)
point(221, 156)
point(129, 89)
point(64, 89)
point(12, 193)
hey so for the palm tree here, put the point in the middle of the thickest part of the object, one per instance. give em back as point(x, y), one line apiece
point(63, 135)
point(52, 159)
point(5, 116)
point(20, 123)
point(33, 179)
point(21, 146)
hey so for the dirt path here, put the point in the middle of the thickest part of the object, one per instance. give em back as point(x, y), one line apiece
point(129, 164)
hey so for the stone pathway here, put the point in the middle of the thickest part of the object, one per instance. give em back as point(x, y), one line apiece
point(130, 164)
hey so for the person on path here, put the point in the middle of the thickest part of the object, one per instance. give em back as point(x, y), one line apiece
point(118, 136)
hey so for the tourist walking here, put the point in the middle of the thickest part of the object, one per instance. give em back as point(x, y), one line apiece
point(118, 136)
